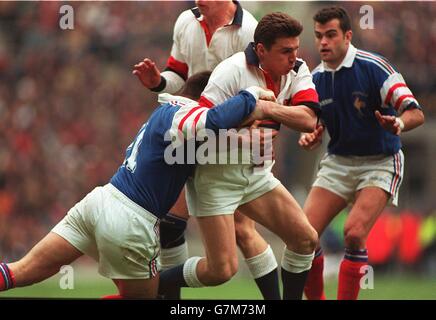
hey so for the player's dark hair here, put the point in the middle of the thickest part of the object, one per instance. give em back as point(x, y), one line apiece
point(327, 14)
point(195, 85)
point(274, 26)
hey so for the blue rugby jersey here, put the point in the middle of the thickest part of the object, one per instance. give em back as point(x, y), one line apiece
point(145, 177)
point(349, 96)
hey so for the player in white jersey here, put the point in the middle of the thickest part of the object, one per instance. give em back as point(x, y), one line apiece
point(203, 37)
point(117, 224)
point(216, 191)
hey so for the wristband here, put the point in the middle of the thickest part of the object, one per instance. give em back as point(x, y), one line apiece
point(400, 123)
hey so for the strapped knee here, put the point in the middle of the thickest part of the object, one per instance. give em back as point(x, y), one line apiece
point(172, 231)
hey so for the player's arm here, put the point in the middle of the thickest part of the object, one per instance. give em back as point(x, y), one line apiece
point(175, 74)
point(300, 118)
point(394, 93)
point(410, 119)
point(305, 110)
point(311, 140)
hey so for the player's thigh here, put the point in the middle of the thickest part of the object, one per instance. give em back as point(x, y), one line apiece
point(369, 203)
point(138, 288)
point(218, 234)
point(321, 206)
point(278, 211)
point(180, 208)
point(44, 259)
point(243, 222)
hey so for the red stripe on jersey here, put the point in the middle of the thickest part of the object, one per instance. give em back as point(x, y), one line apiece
point(197, 117)
point(205, 102)
point(207, 33)
point(187, 116)
point(270, 83)
point(382, 61)
point(179, 67)
point(401, 99)
point(308, 95)
point(392, 89)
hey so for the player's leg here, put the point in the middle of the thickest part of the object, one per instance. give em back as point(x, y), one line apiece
point(174, 249)
point(320, 207)
point(137, 288)
point(259, 257)
point(43, 261)
point(278, 211)
point(219, 265)
point(369, 203)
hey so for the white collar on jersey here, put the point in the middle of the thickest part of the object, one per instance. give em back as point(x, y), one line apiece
point(346, 63)
point(166, 98)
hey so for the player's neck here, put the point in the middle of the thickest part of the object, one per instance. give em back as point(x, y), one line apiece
point(337, 62)
point(219, 20)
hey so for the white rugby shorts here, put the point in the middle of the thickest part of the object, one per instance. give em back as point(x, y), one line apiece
point(345, 175)
point(120, 235)
point(218, 189)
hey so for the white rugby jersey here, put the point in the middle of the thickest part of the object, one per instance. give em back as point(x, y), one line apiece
point(195, 50)
point(242, 71)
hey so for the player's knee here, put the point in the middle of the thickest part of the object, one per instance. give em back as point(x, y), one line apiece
point(354, 237)
point(172, 231)
point(224, 271)
point(245, 235)
point(308, 241)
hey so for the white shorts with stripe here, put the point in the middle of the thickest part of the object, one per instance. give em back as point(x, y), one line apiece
point(218, 189)
point(345, 175)
point(120, 235)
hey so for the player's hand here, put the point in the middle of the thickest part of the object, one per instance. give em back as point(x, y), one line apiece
point(310, 141)
point(147, 73)
point(389, 123)
point(262, 111)
point(260, 93)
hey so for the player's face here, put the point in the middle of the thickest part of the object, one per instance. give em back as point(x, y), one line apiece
point(332, 42)
point(281, 57)
point(210, 7)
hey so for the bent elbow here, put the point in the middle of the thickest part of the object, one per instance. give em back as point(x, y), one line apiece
point(421, 118)
point(310, 124)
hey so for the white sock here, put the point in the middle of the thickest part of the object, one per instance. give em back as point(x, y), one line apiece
point(262, 264)
point(174, 256)
point(190, 272)
point(296, 263)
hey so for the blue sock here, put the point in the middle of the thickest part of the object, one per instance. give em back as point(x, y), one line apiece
point(269, 285)
point(170, 283)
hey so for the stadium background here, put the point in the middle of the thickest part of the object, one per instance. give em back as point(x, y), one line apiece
point(69, 106)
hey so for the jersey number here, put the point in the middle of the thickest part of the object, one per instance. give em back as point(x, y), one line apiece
point(132, 150)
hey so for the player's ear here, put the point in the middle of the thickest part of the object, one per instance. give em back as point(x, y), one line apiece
point(348, 36)
point(260, 50)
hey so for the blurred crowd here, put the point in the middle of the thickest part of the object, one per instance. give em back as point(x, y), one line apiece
point(69, 104)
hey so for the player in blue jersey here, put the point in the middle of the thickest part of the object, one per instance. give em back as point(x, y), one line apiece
point(366, 105)
point(117, 224)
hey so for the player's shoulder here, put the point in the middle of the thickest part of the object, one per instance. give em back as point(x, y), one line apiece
point(318, 70)
point(185, 18)
point(300, 66)
point(374, 61)
point(248, 19)
point(236, 60)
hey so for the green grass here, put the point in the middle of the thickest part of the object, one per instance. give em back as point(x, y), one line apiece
point(387, 287)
